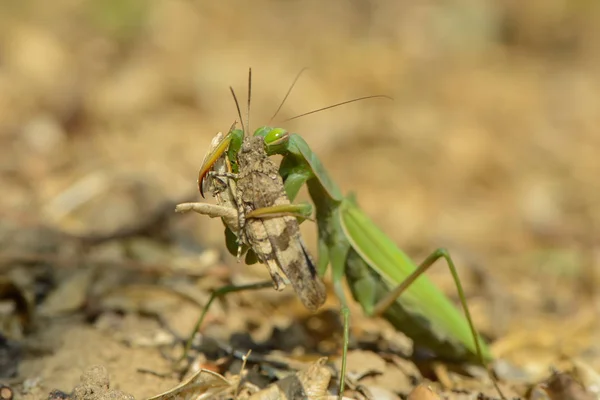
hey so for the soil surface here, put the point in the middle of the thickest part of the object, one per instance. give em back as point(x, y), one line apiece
point(489, 148)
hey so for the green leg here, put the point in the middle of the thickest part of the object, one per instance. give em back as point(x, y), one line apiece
point(216, 294)
point(346, 315)
point(391, 297)
point(339, 290)
point(302, 211)
point(293, 177)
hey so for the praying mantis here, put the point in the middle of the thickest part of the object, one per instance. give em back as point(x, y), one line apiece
point(381, 277)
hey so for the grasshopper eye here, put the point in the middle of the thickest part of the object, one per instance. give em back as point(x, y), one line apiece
point(276, 136)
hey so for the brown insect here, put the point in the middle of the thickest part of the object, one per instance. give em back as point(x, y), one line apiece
point(265, 217)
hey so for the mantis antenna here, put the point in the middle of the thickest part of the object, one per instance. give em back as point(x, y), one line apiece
point(320, 109)
point(247, 125)
point(287, 94)
point(376, 96)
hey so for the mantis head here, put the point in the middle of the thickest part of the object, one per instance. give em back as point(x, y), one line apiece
point(275, 139)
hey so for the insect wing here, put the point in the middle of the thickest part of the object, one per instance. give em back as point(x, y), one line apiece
point(422, 299)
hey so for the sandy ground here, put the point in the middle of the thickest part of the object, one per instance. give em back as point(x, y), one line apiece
point(489, 148)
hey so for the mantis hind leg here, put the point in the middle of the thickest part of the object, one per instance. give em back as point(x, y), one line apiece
point(391, 297)
point(346, 338)
point(346, 316)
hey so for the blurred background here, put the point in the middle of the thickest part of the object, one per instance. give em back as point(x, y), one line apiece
point(489, 148)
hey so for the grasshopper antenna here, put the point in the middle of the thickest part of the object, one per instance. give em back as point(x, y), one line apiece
point(249, 96)
point(383, 96)
point(288, 93)
point(237, 105)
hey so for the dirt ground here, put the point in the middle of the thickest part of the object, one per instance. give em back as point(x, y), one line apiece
point(489, 148)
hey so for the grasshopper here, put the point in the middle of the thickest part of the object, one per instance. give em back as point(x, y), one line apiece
point(249, 181)
point(253, 204)
point(377, 271)
point(275, 240)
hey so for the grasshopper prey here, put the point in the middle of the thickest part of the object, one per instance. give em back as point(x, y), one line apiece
point(266, 221)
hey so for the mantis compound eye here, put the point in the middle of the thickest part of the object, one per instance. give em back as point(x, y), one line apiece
point(276, 136)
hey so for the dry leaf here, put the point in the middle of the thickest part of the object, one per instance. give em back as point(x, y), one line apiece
point(204, 384)
point(589, 377)
point(562, 386)
point(311, 383)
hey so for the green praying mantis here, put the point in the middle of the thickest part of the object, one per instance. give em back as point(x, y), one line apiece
point(381, 277)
